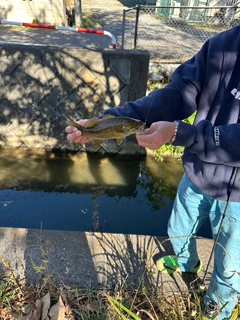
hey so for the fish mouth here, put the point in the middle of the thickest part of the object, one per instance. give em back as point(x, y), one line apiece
point(141, 129)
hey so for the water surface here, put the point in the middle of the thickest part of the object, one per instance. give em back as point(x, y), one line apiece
point(82, 192)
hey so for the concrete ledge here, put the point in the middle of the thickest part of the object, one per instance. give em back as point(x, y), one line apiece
point(94, 259)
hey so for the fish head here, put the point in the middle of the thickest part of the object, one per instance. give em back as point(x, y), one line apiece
point(131, 126)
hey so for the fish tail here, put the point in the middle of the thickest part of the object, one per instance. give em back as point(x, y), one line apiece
point(75, 124)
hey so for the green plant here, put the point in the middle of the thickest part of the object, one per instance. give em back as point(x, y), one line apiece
point(13, 292)
point(118, 306)
point(236, 313)
point(170, 150)
point(36, 21)
point(6, 294)
point(89, 22)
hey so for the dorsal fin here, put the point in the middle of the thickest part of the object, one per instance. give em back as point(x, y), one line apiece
point(92, 122)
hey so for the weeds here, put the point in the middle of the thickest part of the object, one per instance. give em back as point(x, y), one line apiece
point(89, 22)
point(18, 300)
point(50, 299)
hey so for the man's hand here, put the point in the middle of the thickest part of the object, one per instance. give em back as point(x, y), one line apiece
point(76, 135)
point(157, 135)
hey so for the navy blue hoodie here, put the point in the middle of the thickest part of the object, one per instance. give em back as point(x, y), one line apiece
point(209, 84)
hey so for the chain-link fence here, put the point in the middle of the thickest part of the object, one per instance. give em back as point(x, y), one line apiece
point(175, 32)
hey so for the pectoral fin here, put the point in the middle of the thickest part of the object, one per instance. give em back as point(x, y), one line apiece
point(97, 142)
point(119, 141)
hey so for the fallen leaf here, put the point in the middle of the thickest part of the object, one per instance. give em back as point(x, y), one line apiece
point(57, 312)
point(17, 316)
point(90, 306)
point(26, 309)
point(46, 301)
point(38, 310)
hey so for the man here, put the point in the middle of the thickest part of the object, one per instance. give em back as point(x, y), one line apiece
point(209, 83)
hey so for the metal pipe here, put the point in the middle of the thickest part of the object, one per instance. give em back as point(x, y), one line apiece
point(136, 26)
point(142, 7)
point(48, 26)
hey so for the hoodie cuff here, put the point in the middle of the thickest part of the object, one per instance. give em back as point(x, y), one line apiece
point(185, 135)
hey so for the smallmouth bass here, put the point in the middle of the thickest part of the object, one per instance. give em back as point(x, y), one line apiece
point(109, 127)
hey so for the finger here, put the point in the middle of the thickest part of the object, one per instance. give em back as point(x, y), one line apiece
point(82, 140)
point(152, 146)
point(70, 129)
point(146, 138)
point(74, 135)
point(78, 138)
point(149, 141)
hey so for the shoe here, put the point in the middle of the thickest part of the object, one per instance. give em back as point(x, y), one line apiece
point(210, 310)
point(169, 264)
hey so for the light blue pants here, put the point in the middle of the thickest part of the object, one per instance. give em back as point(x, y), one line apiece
point(190, 209)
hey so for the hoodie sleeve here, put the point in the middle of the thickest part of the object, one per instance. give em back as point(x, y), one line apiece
point(177, 101)
point(215, 137)
point(194, 86)
point(212, 144)
point(160, 105)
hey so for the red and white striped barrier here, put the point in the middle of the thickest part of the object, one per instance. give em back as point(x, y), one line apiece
point(48, 26)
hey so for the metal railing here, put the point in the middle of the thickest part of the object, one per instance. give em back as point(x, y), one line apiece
point(62, 28)
point(175, 32)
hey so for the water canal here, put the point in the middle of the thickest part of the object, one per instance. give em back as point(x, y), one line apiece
point(82, 192)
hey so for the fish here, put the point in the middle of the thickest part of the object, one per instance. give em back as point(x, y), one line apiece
point(109, 127)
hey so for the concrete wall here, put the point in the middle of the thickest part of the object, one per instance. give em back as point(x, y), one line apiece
point(42, 87)
point(45, 11)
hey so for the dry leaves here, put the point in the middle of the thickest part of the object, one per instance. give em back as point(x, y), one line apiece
point(41, 310)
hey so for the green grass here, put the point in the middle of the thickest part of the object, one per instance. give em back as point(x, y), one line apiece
point(89, 22)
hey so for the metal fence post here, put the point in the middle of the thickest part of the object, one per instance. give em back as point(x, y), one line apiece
point(123, 27)
point(136, 26)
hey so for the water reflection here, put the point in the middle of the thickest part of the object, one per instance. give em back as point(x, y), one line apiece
point(85, 192)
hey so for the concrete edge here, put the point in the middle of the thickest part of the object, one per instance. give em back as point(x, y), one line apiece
point(94, 259)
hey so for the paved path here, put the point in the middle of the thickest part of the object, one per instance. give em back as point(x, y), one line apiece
point(108, 13)
point(106, 5)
